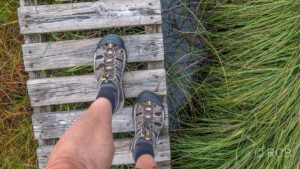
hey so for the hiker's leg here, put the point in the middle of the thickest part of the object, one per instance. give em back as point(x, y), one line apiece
point(88, 143)
point(145, 162)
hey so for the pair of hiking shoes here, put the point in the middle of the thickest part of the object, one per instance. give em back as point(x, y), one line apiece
point(148, 112)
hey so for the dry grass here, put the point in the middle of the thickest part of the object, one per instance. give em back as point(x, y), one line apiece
point(17, 144)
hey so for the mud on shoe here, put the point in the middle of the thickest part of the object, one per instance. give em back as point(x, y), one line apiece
point(148, 116)
point(109, 64)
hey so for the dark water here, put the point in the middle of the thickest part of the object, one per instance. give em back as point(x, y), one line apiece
point(183, 50)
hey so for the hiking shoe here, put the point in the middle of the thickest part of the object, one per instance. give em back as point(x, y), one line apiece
point(148, 116)
point(109, 64)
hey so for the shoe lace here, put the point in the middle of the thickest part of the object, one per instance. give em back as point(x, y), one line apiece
point(147, 125)
point(107, 73)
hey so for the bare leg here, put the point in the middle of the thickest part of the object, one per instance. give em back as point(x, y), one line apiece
point(88, 143)
point(146, 162)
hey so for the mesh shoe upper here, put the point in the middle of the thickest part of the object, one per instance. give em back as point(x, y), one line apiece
point(109, 64)
point(148, 115)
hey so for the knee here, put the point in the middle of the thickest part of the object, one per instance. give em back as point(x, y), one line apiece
point(65, 163)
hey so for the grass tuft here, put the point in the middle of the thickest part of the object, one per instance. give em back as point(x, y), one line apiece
point(250, 99)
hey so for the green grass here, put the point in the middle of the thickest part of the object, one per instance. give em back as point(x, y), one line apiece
point(251, 97)
point(246, 107)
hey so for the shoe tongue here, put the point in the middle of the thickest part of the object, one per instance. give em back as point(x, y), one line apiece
point(147, 124)
point(108, 84)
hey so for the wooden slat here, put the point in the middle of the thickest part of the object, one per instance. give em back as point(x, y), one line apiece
point(122, 152)
point(63, 54)
point(74, 89)
point(88, 15)
point(54, 124)
point(35, 74)
point(154, 64)
point(164, 165)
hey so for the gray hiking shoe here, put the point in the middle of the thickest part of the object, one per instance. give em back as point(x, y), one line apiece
point(109, 64)
point(148, 116)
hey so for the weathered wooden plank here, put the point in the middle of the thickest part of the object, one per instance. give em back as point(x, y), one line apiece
point(63, 54)
point(74, 89)
point(35, 74)
point(54, 124)
point(122, 152)
point(164, 165)
point(154, 64)
point(88, 15)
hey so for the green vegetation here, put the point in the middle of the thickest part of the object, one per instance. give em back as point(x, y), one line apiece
point(244, 114)
point(17, 145)
point(251, 97)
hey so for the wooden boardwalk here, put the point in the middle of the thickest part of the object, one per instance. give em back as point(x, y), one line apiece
point(41, 56)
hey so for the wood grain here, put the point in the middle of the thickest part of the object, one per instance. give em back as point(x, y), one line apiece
point(63, 54)
point(53, 124)
point(75, 89)
point(36, 20)
point(154, 64)
point(88, 15)
point(122, 152)
point(29, 39)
